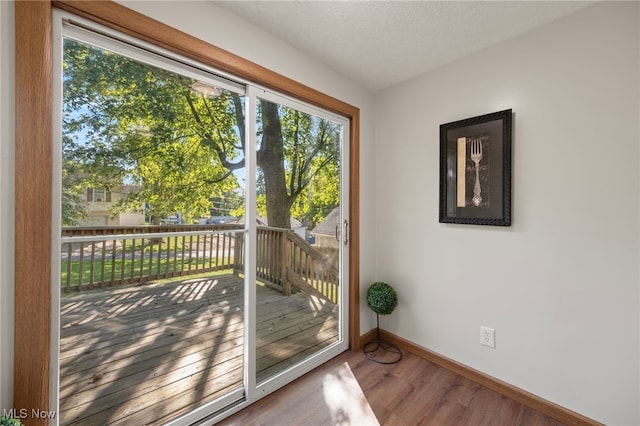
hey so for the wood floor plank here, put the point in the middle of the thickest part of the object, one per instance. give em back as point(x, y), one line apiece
point(148, 347)
point(146, 354)
point(179, 345)
point(162, 373)
point(412, 392)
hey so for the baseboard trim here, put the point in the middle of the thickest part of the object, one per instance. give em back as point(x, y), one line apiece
point(549, 408)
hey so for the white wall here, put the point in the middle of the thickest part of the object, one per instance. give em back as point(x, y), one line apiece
point(560, 286)
point(6, 201)
point(224, 29)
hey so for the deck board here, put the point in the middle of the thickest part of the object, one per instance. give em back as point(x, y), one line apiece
point(144, 355)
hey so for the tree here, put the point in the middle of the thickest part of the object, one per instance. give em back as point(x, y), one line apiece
point(128, 122)
point(315, 179)
point(72, 204)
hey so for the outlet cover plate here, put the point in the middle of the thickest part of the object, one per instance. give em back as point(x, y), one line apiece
point(487, 336)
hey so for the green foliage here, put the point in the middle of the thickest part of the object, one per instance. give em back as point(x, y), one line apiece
point(73, 207)
point(129, 123)
point(314, 146)
point(382, 298)
point(7, 421)
point(126, 122)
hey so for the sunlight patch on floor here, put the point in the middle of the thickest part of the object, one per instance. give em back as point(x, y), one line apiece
point(345, 400)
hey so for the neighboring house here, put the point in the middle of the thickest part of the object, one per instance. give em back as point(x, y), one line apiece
point(99, 202)
point(324, 239)
point(325, 232)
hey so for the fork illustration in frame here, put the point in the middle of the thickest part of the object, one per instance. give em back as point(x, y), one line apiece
point(476, 156)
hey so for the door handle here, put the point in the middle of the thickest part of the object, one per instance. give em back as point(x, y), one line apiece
point(346, 232)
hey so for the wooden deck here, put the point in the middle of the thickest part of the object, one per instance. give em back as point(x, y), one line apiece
point(144, 355)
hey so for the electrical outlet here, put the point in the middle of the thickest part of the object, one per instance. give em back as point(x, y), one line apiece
point(487, 336)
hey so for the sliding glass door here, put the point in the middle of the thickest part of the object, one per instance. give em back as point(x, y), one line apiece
point(299, 245)
point(203, 238)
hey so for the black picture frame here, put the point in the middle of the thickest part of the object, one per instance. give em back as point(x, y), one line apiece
point(476, 191)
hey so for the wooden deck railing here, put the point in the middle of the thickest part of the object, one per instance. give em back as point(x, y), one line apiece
point(286, 262)
point(101, 257)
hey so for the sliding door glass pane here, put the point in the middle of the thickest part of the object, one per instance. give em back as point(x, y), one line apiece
point(297, 203)
point(152, 202)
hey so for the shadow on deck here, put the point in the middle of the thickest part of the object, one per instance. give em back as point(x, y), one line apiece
point(145, 355)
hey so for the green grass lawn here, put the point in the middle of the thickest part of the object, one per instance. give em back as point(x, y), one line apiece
point(130, 268)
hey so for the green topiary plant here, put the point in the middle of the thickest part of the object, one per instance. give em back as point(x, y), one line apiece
point(382, 298)
point(8, 421)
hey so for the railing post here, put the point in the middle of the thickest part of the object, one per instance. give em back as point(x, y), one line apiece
point(238, 247)
point(286, 262)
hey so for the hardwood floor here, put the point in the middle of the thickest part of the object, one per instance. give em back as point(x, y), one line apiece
point(412, 392)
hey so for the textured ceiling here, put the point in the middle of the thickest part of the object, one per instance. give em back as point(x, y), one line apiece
point(381, 43)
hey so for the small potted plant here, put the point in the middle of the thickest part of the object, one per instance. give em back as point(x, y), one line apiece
point(9, 421)
point(382, 299)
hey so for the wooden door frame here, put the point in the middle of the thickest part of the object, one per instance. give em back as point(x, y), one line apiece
point(33, 202)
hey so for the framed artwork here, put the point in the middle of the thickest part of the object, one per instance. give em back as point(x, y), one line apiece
point(475, 170)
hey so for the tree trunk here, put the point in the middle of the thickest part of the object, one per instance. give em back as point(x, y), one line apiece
point(271, 160)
